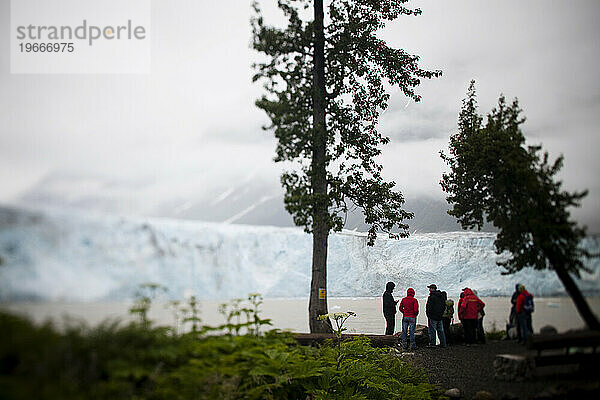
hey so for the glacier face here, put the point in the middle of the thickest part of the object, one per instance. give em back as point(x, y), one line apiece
point(71, 256)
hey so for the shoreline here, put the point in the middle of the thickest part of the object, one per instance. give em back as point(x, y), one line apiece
point(217, 300)
point(292, 314)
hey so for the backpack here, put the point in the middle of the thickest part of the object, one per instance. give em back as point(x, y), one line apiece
point(449, 312)
point(528, 306)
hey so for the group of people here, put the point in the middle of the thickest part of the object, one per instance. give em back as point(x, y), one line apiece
point(470, 313)
point(440, 313)
point(520, 313)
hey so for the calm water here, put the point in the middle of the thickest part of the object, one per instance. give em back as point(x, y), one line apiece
point(292, 314)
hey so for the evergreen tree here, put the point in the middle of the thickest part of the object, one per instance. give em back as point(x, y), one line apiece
point(324, 94)
point(494, 175)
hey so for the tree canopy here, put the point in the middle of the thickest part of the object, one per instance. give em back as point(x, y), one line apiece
point(324, 80)
point(357, 65)
point(495, 177)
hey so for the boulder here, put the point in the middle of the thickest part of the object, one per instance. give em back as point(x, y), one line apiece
point(421, 336)
point(513, 367)
point(483, 395)
point(453, 393)
point(458, 333)
point(548, 330)
point(551, 393)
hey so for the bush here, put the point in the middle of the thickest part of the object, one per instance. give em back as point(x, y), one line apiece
point(138, 361)
point(495, 334)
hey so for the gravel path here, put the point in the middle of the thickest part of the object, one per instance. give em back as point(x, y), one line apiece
point(470, 369)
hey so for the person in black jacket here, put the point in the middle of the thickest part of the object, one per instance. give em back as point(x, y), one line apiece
point(389, 308)
point(512, 319)
point(436, 305)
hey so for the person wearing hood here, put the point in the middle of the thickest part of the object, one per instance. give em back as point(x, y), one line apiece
point(513, 320)
point(435, 307)
point(389, 308)
point(468, 310)
point(409, 307)
point(447, 318)
point(524, 309)
point(479, 332)
point(460, 301)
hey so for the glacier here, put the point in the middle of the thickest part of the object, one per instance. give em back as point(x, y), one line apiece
point(66, 255)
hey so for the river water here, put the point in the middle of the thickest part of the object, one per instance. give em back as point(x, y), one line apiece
point(292, 314)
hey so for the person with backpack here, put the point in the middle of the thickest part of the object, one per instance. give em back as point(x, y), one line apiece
point(468, 310)
point(389, 308)
point(460, 301)
point(447, 317)
point(480, 333)
point(435, 307)
point(512, 328)
point(409, 307)
point(525, 308)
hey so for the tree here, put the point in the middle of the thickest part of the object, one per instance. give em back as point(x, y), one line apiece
point(324, 94)
point(493, 174)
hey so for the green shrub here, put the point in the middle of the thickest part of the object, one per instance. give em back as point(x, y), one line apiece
point(139, 361)
point(494, 333)
point(274, 367)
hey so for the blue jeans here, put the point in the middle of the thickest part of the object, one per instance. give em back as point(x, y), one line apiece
point(525, 326)
point(409, 324)
point(432, 328)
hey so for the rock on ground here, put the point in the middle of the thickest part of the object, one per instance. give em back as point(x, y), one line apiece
point(453, 393)
point(470, 369)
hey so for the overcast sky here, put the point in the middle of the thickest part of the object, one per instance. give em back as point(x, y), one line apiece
point(190, 128)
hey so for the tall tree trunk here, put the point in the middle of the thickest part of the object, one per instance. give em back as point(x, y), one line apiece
point(580, 303)
point(318, 287)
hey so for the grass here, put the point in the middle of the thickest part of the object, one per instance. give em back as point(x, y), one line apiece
point(494, 334)
point(140, 361)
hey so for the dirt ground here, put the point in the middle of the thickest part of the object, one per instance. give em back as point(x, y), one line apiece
point(470, 369)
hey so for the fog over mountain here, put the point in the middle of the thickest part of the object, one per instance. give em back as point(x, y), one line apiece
point(185, 140)
point(252, 201)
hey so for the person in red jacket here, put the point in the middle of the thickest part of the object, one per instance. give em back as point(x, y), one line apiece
point(524, 309)
point(468, 309)
point(460, 301)
point(409, 307)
